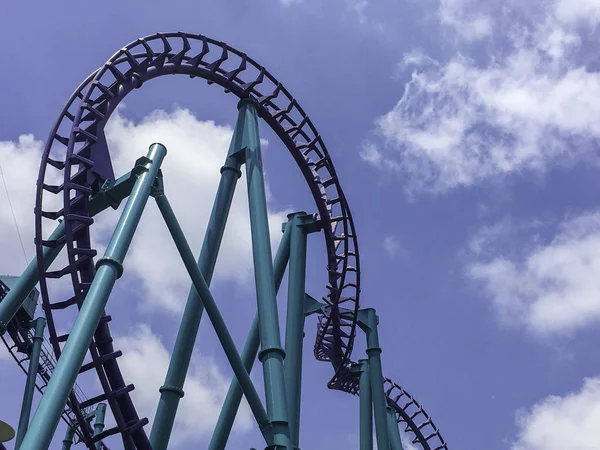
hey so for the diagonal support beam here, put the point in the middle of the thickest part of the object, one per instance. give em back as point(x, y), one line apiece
point(172, 390)
point(109, 268)
point(249, 352)
point(214, 315)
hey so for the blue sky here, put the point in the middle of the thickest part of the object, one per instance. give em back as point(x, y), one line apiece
point(465, 136)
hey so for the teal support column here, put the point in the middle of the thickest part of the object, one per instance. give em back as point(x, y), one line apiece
point(214, 315)
point(68, 440)
point(109, 268)
point(301, 224)
point(368, 321)
point(366, 405)
point(234, 394)
point(27, 281)
point(271, 354)
point(172, 390)
point(395, 441)
point(99, 422)
point(34, 363)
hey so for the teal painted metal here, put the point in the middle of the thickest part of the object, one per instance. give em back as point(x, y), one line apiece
point(34, 363)
point(368, 321)
point(27, 281)
point(172, 390)
point(271, 354)
point(395, 441)
point(234, 394)
point(68, 439)
point(294, 330)
point(366, 406)
point(214, 314)
point(99, 422)
point(109, 268)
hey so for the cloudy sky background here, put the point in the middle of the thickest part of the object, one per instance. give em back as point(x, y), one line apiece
point(465, 136)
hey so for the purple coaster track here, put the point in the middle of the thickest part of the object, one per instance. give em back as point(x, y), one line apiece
point(77, 147)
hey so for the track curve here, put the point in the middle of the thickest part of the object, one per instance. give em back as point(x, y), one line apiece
point(77, 152)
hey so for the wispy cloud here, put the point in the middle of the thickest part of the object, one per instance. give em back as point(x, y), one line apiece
point(558, 423)
point(464, 121)
point(549, 286)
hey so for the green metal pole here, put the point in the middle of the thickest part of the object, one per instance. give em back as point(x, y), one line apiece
point(68, 440)
point(368, 321)
point(27, 281)
point(234, 394)
point(172, 390)
point(395, 441)
point(214, 314)
point(99, 422)
point(366, 406)
point(109, 268)
point(294, 330)
point(271, 354)
point(34, 363)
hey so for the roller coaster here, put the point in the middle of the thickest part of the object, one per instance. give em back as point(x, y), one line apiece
point(77, 181)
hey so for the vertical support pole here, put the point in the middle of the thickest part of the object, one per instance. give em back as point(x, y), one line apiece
point(172, 389)
point(109, 268)
point(234, 394)
point(99, 422)
point(27, 281)
point(271, 354)
point(294, 330)
point(366, 406)
point(395, 441)
point(68, 440)
point(368, 321)
point(34, 363)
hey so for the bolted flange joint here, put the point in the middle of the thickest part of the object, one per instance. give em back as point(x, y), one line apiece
point(107, 260)
point(175, 389)
point(265, 352)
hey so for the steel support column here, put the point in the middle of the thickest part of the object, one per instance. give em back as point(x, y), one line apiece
point(366, 406)
point(172, 390)
point(271, 354)
point(214, 314)
point(68, 439)
point(99, 422)
point(234, 394)
point(368, 321)
point(109, 268)
point(294, 330)
point(396, 443)
point(34, 363)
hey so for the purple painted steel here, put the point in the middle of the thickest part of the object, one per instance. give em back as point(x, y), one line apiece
point(418, 422)
point(85, 149)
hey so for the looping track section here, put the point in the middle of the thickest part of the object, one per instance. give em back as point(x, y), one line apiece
point(76, 162)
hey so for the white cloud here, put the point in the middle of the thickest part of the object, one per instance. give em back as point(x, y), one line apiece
point(391, 245)
point(290, 2)
point(145, 361)
point(559, 423)
point(550, 287)
point(196, 152)
point(464, 121)
point(464, 19)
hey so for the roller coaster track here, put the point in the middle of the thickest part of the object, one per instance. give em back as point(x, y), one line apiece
point(77, 151)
